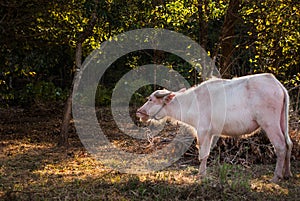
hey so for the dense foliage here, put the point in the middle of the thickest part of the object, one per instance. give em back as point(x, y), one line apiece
point(38, 40)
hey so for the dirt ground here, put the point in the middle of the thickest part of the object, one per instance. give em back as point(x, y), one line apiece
point(32, 167)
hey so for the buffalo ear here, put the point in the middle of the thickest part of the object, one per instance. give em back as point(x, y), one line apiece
point(167, 99)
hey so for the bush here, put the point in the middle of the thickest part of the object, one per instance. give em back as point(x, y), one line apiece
point(38, 92)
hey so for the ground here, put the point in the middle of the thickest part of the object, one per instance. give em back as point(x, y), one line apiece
point(32, 167)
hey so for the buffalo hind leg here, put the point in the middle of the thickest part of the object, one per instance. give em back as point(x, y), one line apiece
point(276, 137)
point(287, 164)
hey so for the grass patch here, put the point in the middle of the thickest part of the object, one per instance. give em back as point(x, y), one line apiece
point(33, 168)
point(44, 172)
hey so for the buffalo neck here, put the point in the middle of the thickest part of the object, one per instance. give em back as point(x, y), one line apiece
point(182, 108)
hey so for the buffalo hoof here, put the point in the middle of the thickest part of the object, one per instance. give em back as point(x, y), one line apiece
point(288, 175)
point(275, 179)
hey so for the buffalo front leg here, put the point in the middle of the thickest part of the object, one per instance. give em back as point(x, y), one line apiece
point(202, 167)
point(205, 145)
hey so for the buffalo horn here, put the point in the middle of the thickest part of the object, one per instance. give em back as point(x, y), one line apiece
point(162, 93)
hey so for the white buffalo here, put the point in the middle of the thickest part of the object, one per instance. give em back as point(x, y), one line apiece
point(231, 108)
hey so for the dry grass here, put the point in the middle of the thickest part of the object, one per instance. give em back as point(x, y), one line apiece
point(33, 168)
point(40, 171)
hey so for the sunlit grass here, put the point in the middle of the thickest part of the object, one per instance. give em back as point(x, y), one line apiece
point(41, 171)
point(259, 185)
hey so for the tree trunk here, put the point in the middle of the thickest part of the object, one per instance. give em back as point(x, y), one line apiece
point(64, 133)
point(202, 19)
point(226, 40)
point(203, 13)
